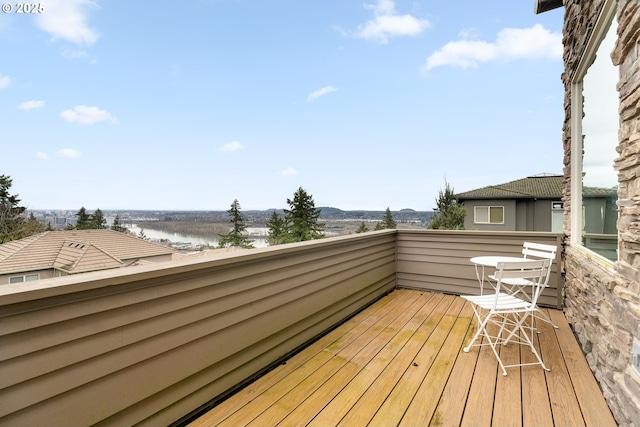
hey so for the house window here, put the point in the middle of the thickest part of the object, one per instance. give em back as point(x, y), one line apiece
point(25, 278)
point(594, 210)
point(557, 217)
point(488, 215)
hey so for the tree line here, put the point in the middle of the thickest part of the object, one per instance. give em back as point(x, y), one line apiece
point(300, 222)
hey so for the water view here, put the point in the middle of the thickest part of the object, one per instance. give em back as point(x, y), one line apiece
point(258, 236)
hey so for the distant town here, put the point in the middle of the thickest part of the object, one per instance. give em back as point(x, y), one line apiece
point(191, 230)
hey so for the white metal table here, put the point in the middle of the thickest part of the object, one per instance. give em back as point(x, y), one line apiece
point(481, 262)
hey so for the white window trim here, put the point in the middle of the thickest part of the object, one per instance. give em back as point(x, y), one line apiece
point(599, 32)
point(488, 207)
point(24, 278)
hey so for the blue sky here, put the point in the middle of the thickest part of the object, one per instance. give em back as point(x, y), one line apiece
point(188, 105)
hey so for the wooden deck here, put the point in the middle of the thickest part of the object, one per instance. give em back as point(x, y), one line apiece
point(400, 362)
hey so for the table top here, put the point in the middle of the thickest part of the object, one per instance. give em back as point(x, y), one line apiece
point(492, 260)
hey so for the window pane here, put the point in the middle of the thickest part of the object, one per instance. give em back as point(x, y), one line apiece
point(497, 214)
point(30, 277)
point(481, 214)
point(600, 128)
point(16, 279)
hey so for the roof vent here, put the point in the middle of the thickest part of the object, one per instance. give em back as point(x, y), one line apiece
point(544, 175)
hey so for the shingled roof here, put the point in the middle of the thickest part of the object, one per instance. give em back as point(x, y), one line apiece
point(533, 187)
point(76, 251)
point(543, 186)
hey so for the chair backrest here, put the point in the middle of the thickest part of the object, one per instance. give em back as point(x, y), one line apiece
point(532, 272)
point(539, 250)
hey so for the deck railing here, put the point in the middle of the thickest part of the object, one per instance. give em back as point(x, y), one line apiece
point(150, 345)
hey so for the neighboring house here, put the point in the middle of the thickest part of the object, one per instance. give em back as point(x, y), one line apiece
point(529, 204)
point(59, 253)
point(535, 204)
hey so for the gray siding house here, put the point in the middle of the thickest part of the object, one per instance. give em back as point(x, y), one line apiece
point(529, 204)
point(535, 204)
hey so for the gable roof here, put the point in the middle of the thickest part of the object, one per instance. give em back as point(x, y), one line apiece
point(76, 251)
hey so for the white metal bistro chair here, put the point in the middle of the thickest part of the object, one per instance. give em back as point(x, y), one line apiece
point(507, 311)
point(519, 287)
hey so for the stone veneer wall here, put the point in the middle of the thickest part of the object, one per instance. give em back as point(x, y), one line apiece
point(602, 302)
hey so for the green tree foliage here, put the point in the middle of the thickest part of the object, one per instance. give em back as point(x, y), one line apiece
point(362, 228)
point(449, 215)
point(141, 235)
point(33, 226)
point(302, 218)
point(84, 220)
point(236, 236)
point(277, 229)
point(98, 221)
point(13, 224)
point(387, 221)
point(116, 226)
point(300, 223)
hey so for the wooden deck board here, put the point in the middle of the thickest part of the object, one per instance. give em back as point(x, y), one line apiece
point(364, 409)
point(338, 407)
point(596, 412)
point(536, 409)
point(339, 336)
point(400, 362)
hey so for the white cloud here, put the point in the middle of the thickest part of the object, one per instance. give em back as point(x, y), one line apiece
point(232, 146)
point(31, 105)
point(320, 92)
point(387, 23)
point(73, 53)
point(5, 81)
point(41, 156)
point(87, 115)
point(67, 20)
point(511, 44)
point(68, 153)
point(289, 172)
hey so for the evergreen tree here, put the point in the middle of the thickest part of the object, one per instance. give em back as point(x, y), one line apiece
point(97, 220)
point(116, 225)
point(236, 236)
point(33, 226)
point(302, 218)
point(362, 228)
point(449, 215)
point(13, 225)
point(387, 222)
point(141, 235)
point(84, 220)
point(277, 229)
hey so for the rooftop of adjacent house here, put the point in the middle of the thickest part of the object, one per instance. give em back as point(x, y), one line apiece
point(76, 251)
point(542, 186)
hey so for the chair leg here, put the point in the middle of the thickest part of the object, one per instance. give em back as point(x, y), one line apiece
point(532, 347)
point(492, 344)
point(545, 317)
point(481, 328)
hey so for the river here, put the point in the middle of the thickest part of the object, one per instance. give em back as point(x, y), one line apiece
point(178, 239)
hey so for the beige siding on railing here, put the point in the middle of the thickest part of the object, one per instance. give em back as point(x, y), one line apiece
point(151, 344)
point(438, 260)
